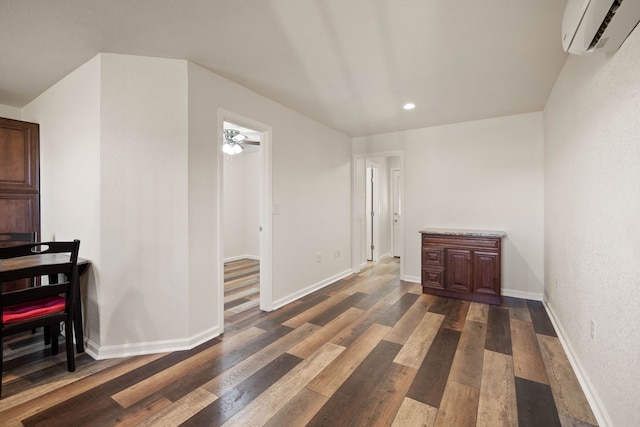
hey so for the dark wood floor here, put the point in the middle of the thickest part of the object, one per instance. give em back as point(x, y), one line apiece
point(367, 350)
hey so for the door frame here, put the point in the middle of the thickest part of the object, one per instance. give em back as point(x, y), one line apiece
point(396, 196)
point(372, 230)
point(357, 207)
point(266, 219)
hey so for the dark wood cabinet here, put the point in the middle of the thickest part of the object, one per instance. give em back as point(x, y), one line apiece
point(19, 177)
point(462, 264)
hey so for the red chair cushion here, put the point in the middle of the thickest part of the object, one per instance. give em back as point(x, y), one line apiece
point(18, 312)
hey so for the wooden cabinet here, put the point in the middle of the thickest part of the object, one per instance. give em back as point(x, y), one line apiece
point(462, 264)
point(19, 177)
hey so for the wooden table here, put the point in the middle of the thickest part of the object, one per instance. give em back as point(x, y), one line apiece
point(50, 259)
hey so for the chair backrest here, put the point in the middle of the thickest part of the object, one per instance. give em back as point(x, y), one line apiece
point(34, 260)
point(13, 239)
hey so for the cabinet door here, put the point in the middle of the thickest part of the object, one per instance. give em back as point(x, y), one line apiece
point(19, 177)
point(19, 158)
point(458, 270)
point(432, 278)
point(19, 213)
point(486, 267)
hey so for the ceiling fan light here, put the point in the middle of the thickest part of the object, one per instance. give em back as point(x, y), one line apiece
point(227, 148)
point(237, 148)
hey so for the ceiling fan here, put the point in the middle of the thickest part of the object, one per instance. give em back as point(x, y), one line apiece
point(234, 142)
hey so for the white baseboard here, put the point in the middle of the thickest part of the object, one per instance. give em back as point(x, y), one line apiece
point(590, 392)
point(99, 352)
point(385, 256)
point(309, 289)
point(239, 257)
point(412, 279)
point(514, 293)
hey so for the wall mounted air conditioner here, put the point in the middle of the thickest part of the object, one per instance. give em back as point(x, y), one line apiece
point(598, 25)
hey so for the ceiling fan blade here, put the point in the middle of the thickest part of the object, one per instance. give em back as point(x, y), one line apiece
point(247, 142)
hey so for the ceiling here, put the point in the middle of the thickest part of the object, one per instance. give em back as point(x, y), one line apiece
point(350, 64)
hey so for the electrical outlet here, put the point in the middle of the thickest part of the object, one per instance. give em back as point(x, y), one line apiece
point(336, 254)
point(319, 257)
point(593, 329)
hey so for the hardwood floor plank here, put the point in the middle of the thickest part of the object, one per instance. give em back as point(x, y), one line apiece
point(235, 354)
point(393, 314)
point(418, 344)
point(233, 376)
point(527, 360)
point(322, 335)
point(138, 413)
point(164, 378)
point(540, 320)
point(314, 311)
point(332, 377)
point(431, 379)
point(459, 406)
point(354, 392)
point(454, 310)
point(478, 312)
point(177, 412)
point(299, 410)
point(48, 395)
point(281, 315)
point(407, 324)
point(269, 403)
point(567, 393)
point(498, 331)
point(384, 402)
point(467, 363)
point(518, 309)
point(535, 404)
point(497, 405)
point(415, 414)
point(233, 401)
point(335, 311)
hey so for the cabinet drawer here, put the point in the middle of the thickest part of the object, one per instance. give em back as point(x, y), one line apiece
point(430, 240)
point(433, 257)
point(433, 278)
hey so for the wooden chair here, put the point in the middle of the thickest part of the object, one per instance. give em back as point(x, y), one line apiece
point(46, 305)
point(13, 239)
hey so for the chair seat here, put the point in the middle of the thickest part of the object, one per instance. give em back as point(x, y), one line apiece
point(28, 310)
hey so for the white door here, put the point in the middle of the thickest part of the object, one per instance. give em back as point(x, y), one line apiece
point(396, 206)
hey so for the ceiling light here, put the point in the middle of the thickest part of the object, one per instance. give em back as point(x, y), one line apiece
point(233, 142)
point(409, 106)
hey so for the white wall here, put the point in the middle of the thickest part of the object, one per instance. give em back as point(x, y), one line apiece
point(592, 228)
point(241, 206)
point(113, 138)
point(485, 174)
point(144, 215)
point(69, 118)
point(9, 112)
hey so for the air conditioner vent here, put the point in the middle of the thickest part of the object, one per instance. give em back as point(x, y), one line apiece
point(605, 23)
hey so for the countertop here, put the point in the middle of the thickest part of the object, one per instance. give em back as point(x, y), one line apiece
point(461, 232)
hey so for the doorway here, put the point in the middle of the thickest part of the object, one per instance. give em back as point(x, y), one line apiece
point(244, 226)
point(242, 178)
point(377, 188)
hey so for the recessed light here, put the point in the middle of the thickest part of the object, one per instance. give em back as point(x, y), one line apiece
point(409, 106)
